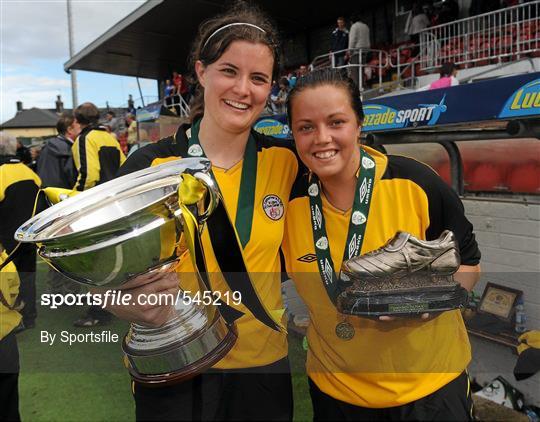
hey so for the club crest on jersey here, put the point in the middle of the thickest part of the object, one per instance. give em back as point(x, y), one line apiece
point(195, 150)
point(273, 207)
point(358, 218)
point(313, 189)
point(322, 243)
point(367, 163)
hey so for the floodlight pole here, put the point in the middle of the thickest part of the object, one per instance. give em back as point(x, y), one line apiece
point(70, 38)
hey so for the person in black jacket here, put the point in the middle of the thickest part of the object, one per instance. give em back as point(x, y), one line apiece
point(56, 169)
point(55, 165)
point(340, 41)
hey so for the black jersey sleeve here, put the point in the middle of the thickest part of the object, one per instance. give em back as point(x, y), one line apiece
point(446, 211)
point(140, 159)
point(171, 146)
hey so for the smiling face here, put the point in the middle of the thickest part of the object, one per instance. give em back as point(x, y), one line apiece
point(236, 85)
point(326, 131)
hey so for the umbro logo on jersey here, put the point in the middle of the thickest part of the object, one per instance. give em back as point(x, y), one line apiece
point(308, 258)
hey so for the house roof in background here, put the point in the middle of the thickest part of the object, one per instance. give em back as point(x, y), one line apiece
point(32, 118)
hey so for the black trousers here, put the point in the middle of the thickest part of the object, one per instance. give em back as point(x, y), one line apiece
point(263, 393)
point(25, 261)
point(9, 379)
point(453, 402)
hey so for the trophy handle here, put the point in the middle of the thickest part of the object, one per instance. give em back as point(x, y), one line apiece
point(213, 194)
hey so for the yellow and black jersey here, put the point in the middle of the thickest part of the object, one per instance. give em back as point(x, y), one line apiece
point(97, 156)
point(19, 186)
point(385, 364)
point(277, 168)
point(9, 289)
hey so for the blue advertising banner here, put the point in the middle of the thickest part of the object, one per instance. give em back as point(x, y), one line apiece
point(503, 98)
point(275, 125)
point(149, 113)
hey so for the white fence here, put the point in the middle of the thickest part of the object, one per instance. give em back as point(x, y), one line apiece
point(503, 35)
point(362, 63)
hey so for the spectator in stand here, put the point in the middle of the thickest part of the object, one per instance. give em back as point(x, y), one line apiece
point(448, 77)
point(97, 156)
point(178, 81)
point(169, 88)
point(131, 105)
point(302, 71)
point(19, 187)
point(280, 103)
point(340, 41)
point(291, 77)
point(131, 124)
point(359, 38)
point(115, 123)
point(418, 22)
point(274, 91)
point(184, 90)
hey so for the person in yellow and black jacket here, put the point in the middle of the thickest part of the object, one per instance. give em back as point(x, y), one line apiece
point(389, 368)
point(96, 153)
point(9, 320)
point(97, 156)
point(19, 186)
point(235, 60)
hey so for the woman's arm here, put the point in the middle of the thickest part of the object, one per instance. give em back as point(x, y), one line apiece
point(141, 289)
point(468, 276)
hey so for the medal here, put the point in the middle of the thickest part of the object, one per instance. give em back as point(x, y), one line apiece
point(345, 330)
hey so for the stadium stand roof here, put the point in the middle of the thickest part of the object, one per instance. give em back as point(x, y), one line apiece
point(156, 38)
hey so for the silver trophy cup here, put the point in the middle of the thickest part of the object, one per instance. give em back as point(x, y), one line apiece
point(126, 227)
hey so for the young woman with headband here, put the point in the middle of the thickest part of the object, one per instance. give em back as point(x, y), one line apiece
point(235, 59)
point(358, 368)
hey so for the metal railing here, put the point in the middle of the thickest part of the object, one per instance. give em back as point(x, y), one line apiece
point(178, 104)
point(502, 35)
point(360, 63)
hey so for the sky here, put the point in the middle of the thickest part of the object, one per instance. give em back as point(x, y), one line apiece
point(34, 47)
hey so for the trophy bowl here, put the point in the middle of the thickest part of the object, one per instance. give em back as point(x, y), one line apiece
point(406, 277)
point(107, 235)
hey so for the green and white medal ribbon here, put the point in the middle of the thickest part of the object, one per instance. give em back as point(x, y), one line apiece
point(228, 243)
point(248, 181)
point(357, 224)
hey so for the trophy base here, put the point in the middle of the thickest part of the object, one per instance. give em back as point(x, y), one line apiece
point(404, 303)
point(181, 360)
